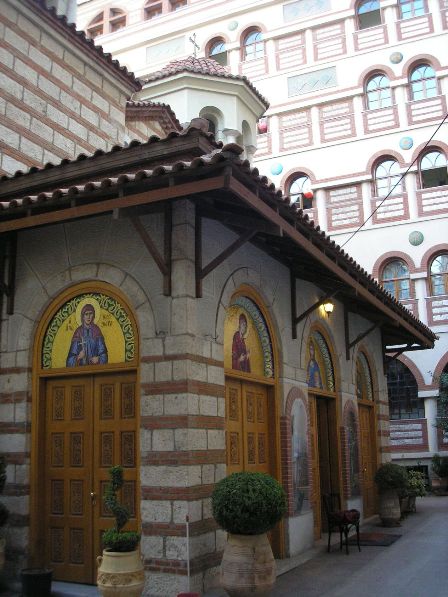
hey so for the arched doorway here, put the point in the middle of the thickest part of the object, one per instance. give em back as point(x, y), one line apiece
point(251, 407)
point(323, 425)
point(85, 419)
point(366, 409)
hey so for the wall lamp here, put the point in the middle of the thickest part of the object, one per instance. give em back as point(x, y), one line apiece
point(328, 307)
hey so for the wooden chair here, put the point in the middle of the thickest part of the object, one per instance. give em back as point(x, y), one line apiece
point(341, 520)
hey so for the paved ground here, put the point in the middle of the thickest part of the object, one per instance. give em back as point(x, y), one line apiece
point(414, 566)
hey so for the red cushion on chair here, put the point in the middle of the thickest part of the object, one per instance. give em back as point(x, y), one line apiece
point(346, 516)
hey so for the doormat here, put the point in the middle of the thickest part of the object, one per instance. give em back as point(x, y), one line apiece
point(374, 539)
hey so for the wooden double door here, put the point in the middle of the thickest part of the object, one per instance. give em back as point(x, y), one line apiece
point(368, 458)
point(90, 425)
point(247, 428)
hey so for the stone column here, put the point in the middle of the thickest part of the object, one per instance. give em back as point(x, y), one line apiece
point(231, 135)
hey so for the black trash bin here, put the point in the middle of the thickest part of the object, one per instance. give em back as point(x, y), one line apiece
point(36, 582)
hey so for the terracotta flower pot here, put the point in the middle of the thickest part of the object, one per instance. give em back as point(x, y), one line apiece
point(248, 566)
point(120, 574)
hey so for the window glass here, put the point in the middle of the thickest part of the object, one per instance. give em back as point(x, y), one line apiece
point(423, 82)
point(153, 8)
point(379, 94)
point(388, 178)
point(402, 389)
point(369, 14)
point(439, 274)
point(411, 8)
point(433, 170)
point(218, 52)
point(297, 188)
point(253, 46)
point(395, 279)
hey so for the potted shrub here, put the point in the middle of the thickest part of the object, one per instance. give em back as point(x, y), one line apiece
point(120, 571)
point(416, 488)
point(4, 512)
point(247, 505)
point(391, 479)
point(440, 469)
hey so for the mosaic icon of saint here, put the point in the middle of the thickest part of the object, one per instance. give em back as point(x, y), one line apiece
point(240, 354)
point(314, 378)
point(87, 346)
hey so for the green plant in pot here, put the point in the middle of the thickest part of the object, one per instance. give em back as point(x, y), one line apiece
point(247, 505)
point(120, 571)
point(416, 488)
point(392, 480)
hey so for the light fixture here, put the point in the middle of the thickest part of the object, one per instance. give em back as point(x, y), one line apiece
point(328, 307)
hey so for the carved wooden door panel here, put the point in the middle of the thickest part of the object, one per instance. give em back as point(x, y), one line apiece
point(115, 442)
point(315, 488)
point(68, 506)
point(247, 424)
point(368, 464)
point(255, 428)
point(91, 424)
point(234, 428)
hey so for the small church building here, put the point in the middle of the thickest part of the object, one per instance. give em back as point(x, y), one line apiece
point(166, 308)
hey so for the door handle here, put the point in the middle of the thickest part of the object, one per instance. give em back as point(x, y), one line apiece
point(93, 497)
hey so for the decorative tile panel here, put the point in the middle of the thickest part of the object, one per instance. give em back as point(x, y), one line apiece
point(128, 449)
point(301, 9)
point(76, 497)
point(107, 401)
point(312, 82)
point(251, 449)
point(76, 546)
point(58, 404)
point(57, 449)
point(128, 401)
point(234, 448)
point(77, 402)
point(107, 449)
point(76, 449)
point(57, 545)
point(57, 497)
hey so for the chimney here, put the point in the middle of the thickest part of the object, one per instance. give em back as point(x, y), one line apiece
point(65, 8)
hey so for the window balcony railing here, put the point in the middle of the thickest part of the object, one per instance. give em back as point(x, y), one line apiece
point(409, 435)
point(437, 309)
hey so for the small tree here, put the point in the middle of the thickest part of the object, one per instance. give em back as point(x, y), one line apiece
point(115, 539)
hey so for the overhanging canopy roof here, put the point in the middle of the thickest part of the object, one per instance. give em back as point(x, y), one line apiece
point(224, 187)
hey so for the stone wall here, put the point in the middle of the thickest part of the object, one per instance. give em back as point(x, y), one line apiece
point(182, 405)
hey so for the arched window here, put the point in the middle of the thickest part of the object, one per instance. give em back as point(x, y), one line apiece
point(395, 279)
point(153, 8)
point(108, 21)
point(388, 178)
point(411, 8)
point(298, 187)
point(433, 170)
point(253, 45)
point(217, 51)
point(439, 274)
point(402, 389)
point(423, 82)
point(369, 14)
point(379, 94)
point(177, 4)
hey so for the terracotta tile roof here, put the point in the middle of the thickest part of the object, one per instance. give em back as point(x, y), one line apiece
point(160, 111)
point(202, 66)
point(79, 38)
point(57, 198)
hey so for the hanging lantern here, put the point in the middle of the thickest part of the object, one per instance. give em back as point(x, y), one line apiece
point(262, 126)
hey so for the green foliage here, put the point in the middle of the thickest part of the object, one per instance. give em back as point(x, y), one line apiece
point(440, 465)
point(391, 476)
point(248, 503)
point(115, 539)
point(416, 483)
point(442, 403)
point(4, 512)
